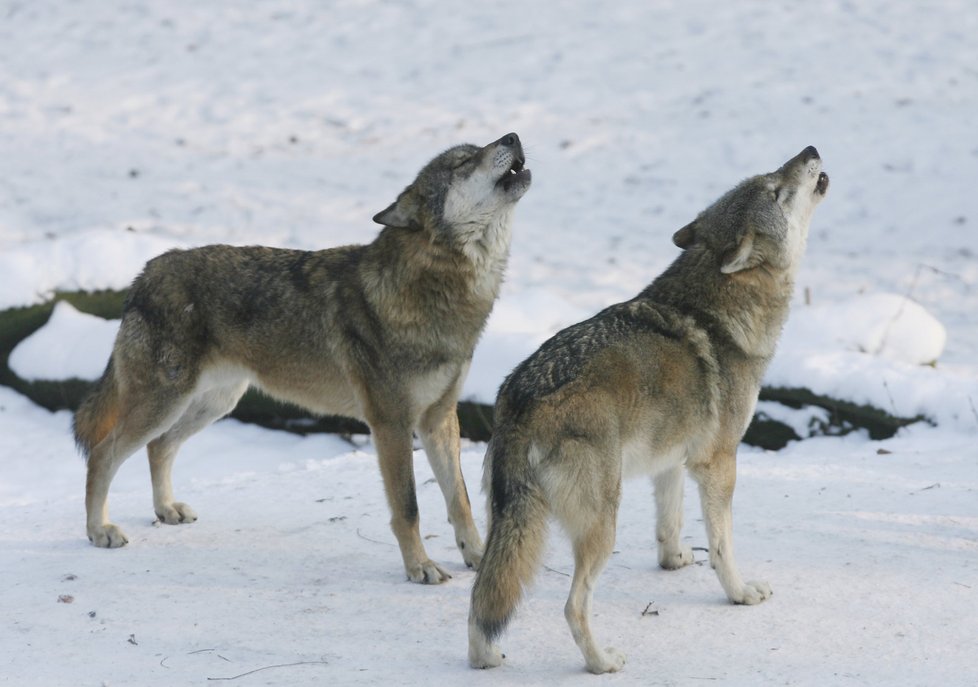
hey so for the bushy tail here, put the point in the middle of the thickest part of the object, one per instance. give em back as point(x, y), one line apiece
point(98, 413)
point(517, 533)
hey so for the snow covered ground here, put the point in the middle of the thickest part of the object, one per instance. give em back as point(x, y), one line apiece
point(127, 128)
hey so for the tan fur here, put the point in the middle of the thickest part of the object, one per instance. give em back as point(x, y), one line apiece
point(382, 332)
point(656, 385)
point(98, 415)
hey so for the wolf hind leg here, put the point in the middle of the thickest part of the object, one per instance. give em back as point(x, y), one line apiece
point(143, 421)
point(440, 436)
point(592, 549)
point(669, 484)
point(202, 411)
point(584, 484)
point(716, 485)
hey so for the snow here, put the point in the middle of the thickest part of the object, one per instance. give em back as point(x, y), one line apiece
point(127, 129)
point(872, 557)
point(878, 349)
point(882, 324)
point(71, 344)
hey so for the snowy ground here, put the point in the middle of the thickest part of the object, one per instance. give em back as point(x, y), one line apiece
point(128, 128)
point(872, 557)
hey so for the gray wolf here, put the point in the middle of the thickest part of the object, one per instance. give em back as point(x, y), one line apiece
point(383, 332)
point(663, 382)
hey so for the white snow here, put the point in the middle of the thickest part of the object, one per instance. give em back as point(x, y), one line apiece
point(71, 345)
point(882, 324)
point(127, 129)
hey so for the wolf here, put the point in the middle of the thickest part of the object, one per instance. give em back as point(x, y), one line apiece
point(664, 382)
point(382, 332)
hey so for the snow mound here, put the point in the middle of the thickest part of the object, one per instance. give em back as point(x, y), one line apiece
point(71, 345)
point(98, 259)
point(881, 324)
point(879, 350)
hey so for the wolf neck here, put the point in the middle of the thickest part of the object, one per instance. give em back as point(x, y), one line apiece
point(420, 282)
point(750, 306)
point(486, 246)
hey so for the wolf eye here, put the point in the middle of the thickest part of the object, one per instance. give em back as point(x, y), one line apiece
point(777, 193)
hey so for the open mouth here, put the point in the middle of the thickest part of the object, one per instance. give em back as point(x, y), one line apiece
point(822, 185)
point(516, 173)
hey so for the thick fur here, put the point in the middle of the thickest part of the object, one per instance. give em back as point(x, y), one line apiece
point(655, 385)
point(383, 332)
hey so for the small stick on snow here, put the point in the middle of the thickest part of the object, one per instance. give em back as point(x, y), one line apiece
point(374, 541)
point(258, 670)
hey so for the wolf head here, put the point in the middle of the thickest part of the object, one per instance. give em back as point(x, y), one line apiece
point(763, 221)
point(465, 196)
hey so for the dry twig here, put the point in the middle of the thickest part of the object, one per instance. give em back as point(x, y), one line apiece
point(374, 541)
point(258, 670)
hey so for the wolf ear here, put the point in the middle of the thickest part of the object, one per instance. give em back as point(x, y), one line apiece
point(685, 237)
point(741, 255)
point(403, 213)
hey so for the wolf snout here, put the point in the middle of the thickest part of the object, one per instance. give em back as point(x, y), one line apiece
point(512, 141)
point(808, 155)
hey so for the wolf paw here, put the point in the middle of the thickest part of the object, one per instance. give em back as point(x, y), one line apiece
point(608, 661)
point(427, 572)
point(673, 560)
point(176, 513)
point(472, 556)
point(107, 536)
point(754, 592)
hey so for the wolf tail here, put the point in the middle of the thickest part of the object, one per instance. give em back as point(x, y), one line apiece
point(517, 533)
point(98, 413)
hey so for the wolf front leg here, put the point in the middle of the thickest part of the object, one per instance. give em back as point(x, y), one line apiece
point(440, 435)
point(395, 453)
point(717, 479)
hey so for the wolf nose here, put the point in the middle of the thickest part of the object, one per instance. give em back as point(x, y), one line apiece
point(810, 153)
point(510, 140)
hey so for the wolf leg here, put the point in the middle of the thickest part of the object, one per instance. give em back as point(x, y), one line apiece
point(584, 487)
point(134, 430)
point(103, 463)
point(440, 436)
point(591, 552)
point(716, 485)
point(395, 452)
point(669, 519)
point(204, 410)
